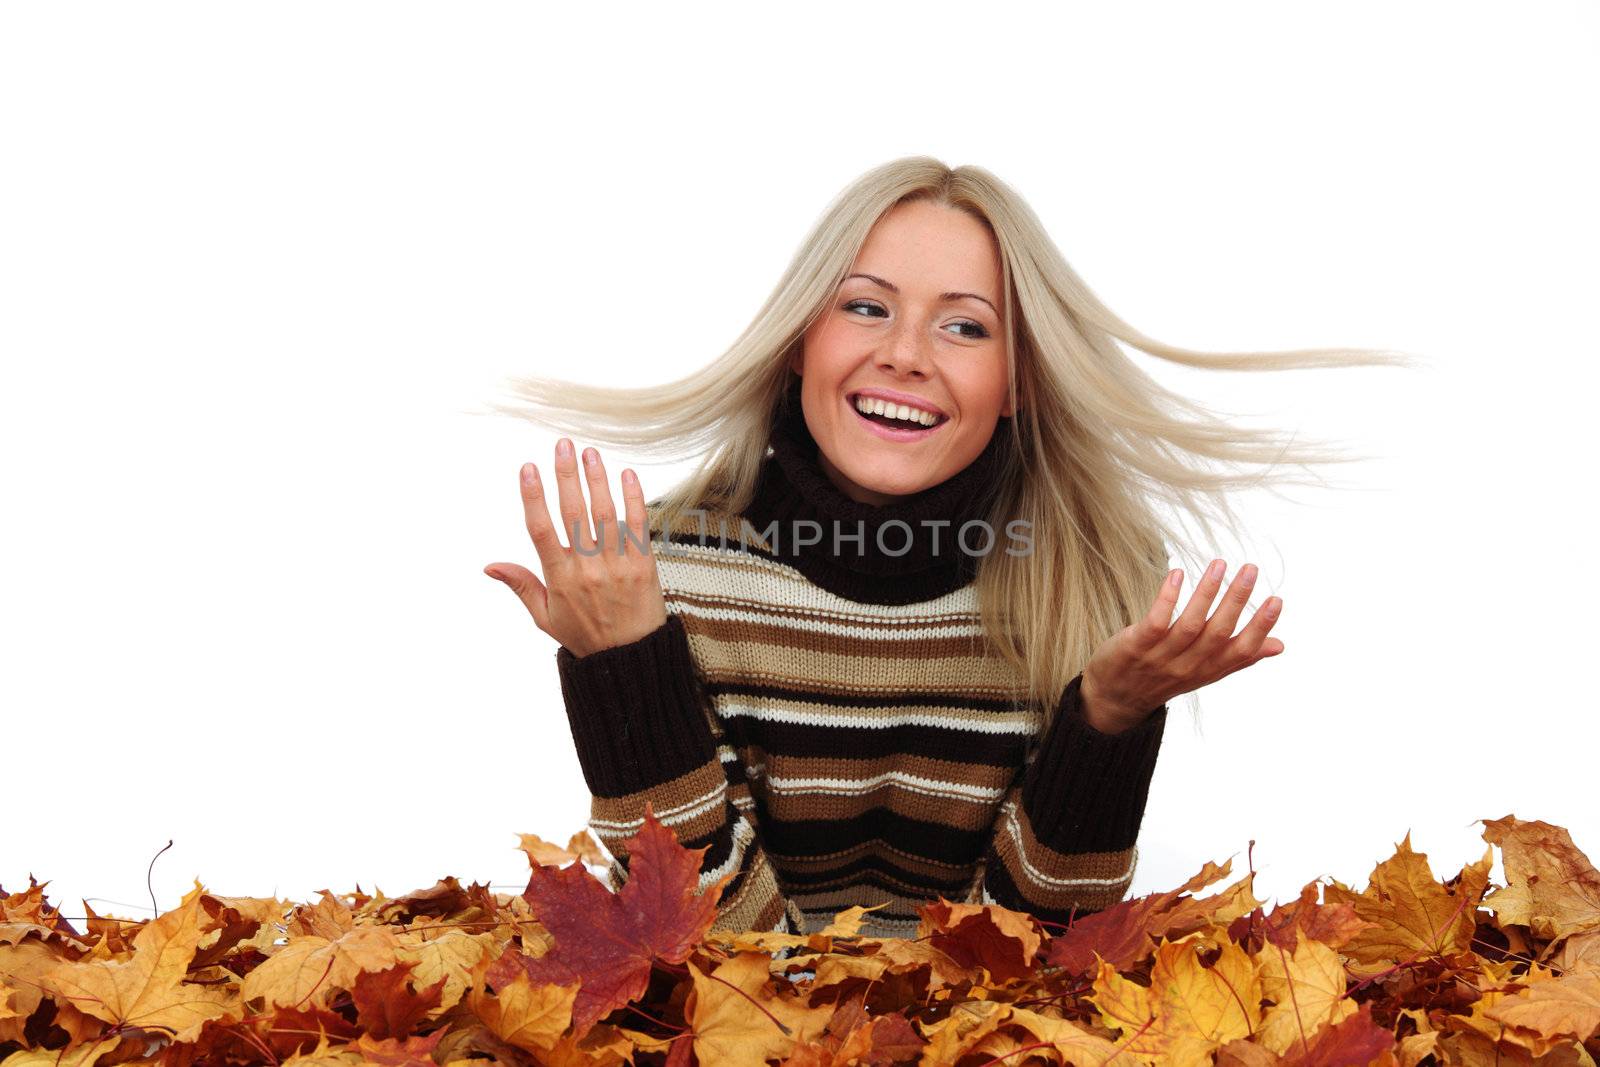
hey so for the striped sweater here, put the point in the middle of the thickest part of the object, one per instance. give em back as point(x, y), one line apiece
point(826, 725)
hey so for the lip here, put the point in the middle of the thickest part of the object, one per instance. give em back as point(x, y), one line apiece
point(898, 398)
point(887, 432)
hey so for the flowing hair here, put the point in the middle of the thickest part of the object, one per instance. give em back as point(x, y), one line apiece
point(1096, 442)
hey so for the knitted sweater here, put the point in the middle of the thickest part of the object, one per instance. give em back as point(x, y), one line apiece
point(826, 726)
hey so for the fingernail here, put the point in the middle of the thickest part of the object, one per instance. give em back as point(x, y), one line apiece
point(530, 474)
point(564, 448)
point(1215, 570)
point(1249, 577)
point(590, 457)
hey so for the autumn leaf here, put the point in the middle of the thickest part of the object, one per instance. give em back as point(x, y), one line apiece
point(739, 1019)
point(1411, 913)
point(1412, 970)
point(1188, 1009)
point(1551, 887)
point(1002, 941)
point(607, 941)
point(387, 1006)
point(1307, 989)
point(1125, 933)
point(148, 990)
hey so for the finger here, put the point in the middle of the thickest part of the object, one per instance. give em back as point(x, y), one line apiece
point(638, 514)
point(1153, 627)
point(536, 516)
point(529, 589)
point(1253, 642)
point(1253, 645)
point(1226, 617)
point(607, 534)
point(574, 520)
point(1192, 623)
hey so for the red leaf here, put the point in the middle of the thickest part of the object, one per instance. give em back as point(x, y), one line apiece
point(1354, 1042)
point(606, 941)
point(386, 1004)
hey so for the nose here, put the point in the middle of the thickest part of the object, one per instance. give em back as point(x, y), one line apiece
point(908, 351)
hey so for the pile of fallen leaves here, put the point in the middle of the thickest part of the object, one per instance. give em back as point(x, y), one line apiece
point(1412, 970)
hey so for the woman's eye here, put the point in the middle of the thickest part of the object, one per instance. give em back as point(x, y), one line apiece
point(982, 331)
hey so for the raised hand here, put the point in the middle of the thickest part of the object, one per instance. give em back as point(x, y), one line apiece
point(1145, 665)
point(593, 596)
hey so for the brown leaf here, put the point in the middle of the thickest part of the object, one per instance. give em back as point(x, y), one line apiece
point(1551, 887)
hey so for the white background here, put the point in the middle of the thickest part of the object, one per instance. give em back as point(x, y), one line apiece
point(258, 264)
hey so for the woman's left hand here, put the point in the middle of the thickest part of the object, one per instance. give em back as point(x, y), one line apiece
point(1142, 667)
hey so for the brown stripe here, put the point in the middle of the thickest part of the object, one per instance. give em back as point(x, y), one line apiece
point(976, 775)
point(1061, 865)
point(946, 813)
point(670, 794)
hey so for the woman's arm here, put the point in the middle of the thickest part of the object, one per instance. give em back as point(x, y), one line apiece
point(1064, 840)
point(644, 731)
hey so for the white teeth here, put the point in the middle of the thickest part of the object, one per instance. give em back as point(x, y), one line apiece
point(903, 412)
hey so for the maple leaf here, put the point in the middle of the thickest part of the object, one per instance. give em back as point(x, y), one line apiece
point(392, 1052)
point(1551, 887)
point(1568, 1006)
point(311, 969)
point(1188, 1009)
point(387, 1006)
point(1331, 924)
point(148, 991)
point(521, 1013)
point(1352, 1042)
point(1307, 989)
point(607, 941)
point(1411, 913)
point(739, 1020)
point(1125, 933)
point(1002, 941)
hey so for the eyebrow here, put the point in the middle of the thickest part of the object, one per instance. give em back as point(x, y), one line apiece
point(942, 296)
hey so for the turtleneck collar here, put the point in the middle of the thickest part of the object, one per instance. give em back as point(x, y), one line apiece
point(913, 561)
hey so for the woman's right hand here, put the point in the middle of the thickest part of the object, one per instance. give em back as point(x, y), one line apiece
point(595, 597)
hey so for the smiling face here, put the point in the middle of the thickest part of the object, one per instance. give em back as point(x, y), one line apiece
point(923, 329)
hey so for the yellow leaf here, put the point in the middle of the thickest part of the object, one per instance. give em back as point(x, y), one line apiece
point(310, 969)
point(1412, 913)
point(525, 1015)
point(1307, 990)
point(1568, 1006)
point(147, 990)
point(730, 1031)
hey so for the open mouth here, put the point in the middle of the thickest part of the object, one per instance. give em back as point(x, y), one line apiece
point(888, 419)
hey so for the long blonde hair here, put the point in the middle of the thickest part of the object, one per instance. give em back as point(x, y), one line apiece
point(1095, 440)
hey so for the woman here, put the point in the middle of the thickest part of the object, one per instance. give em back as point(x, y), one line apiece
point(907, 632)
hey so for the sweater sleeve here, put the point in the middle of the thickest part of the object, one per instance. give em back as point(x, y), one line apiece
point(1064, 841)
point(644, 731)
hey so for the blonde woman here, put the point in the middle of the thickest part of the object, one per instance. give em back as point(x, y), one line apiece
point(907, 631)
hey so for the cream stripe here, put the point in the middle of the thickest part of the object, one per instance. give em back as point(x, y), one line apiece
point(1009, 813)
point(915, 629)
point(706, 572)
point(743, 832)
point(849, 787)
point(681, 813)
point(874, 719)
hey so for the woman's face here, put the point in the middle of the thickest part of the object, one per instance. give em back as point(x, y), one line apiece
point(925, 327)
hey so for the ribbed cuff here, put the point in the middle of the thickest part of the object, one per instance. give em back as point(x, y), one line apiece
point(1086, 790)
point(637, 711)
